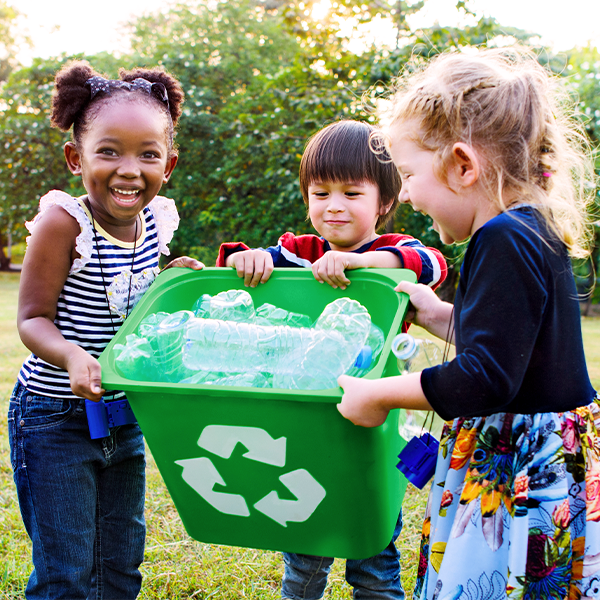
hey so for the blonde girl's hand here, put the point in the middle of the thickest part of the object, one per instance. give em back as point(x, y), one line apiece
point(360, 403)
point(186, 262)
point(85, 375)
point(331, 267)
point(255, 266)
point(426, 309)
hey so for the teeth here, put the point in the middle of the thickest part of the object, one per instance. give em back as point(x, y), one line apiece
point(126, 192)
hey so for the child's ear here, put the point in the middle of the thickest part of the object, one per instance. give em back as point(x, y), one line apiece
point(384, 209)
point(466, 164)
point(73, 158)
point(171, 162)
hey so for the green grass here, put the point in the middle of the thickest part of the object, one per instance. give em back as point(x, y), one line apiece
point(177, 567)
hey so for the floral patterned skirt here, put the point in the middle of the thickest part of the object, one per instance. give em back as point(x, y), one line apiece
point(514, 509)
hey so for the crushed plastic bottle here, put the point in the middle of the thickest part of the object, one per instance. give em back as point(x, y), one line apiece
point(344, 325)
point(297, 357)
point(156, 349)
point(169, 342)
point(269, 314)
point(135, 359)
point(374, 343)
point(232, 305)
point(139, 358)
point(237, 306)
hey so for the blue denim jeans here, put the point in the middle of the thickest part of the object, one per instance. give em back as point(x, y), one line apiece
point(375, 578)
point(82, 500)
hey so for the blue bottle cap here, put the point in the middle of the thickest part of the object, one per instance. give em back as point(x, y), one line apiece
point(364, 358)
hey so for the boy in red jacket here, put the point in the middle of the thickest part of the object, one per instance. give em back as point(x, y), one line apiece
point(350, 192)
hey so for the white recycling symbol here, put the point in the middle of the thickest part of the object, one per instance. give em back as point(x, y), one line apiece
point(202, 475)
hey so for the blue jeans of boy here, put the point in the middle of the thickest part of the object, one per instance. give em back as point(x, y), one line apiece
point(375, 578)
point(82, 500)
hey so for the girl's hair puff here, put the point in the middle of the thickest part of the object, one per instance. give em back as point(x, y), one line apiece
point(519, 119)
point(342, 151)
point(72, 105)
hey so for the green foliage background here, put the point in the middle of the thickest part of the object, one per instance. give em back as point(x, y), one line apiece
point(260, 77)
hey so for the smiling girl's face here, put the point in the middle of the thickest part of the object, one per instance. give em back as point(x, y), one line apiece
point(123, 161)
point(455, 211)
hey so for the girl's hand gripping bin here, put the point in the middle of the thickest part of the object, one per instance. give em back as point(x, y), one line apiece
point(270, 468)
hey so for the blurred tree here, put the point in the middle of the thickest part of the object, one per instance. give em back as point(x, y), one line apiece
point(32, 151)
point(255, 93)
point(260, 76)
point(582, 67)
point(10, 39)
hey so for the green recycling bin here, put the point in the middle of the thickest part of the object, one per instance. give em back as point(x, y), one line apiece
point(270, 468)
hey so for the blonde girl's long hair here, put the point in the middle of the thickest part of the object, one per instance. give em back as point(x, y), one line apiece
point(521, 121)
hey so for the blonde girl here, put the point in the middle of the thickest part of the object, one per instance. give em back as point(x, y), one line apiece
point(487, 144)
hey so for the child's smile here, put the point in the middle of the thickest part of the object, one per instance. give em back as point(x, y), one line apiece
point(124, 195)
point(123, 161)
point(344, 213)
point(455, 212)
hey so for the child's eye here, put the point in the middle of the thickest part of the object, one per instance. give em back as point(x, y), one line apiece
point(352, 194)
point(107, 152)
point(321, 194)
point(150, 154)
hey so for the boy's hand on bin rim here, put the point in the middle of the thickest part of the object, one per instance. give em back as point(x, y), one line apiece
point(331, 267)
point(255, 266)
point(186, 262)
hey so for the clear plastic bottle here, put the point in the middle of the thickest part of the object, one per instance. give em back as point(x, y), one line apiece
point(297, 357)
point(168, 339)
point(134, 359)
point(374, 344)
point(180, 347)
point(414, 355)
point(231, 305)
point(138, 358)
point(238, 306)
point(269, 314)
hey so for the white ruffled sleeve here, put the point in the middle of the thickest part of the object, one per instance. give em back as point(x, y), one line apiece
point(167, 221)
point(84, 241)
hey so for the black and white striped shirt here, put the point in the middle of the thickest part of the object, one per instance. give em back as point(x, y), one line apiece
point(83, 314)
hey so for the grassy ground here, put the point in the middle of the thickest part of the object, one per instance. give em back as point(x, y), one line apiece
point(177, 567)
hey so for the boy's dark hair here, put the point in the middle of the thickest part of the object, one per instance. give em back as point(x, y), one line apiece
point(343, 151)
point(74, 105)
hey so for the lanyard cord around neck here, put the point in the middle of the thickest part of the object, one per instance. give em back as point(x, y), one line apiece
point(449, 333)
point(102, 270)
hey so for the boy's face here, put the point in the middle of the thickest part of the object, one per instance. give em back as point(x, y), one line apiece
point(345, 213)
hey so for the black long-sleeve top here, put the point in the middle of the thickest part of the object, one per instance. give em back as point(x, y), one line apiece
point(518, 338)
